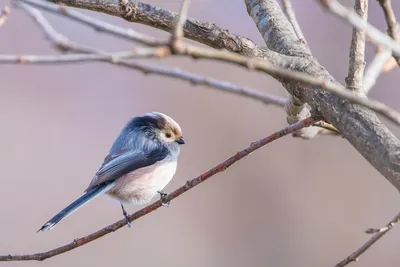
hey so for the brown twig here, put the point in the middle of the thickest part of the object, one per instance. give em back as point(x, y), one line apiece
point(378, 233)
point(152, 207)
point(4, 15)
point(354, 79)
point(393, 26)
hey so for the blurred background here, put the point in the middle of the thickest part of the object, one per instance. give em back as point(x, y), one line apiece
point(291, 203)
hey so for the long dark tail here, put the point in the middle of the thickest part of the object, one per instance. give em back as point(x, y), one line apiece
point(74, 206)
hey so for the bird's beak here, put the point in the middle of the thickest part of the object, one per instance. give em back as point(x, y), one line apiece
point(180, 141)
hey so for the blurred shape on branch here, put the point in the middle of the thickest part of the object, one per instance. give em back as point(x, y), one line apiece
point(154, 206)
point(4, 15)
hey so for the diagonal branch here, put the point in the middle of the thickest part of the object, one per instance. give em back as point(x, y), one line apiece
point(201, 31)
point(152, 207)
point(291, 16)
point(393, 25)
point(378, 234)
point(354, 79)
point(373, 33)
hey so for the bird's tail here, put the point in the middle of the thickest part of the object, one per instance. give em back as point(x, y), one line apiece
point(74, 206)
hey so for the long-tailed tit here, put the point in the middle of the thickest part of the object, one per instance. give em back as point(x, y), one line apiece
point(140, 163)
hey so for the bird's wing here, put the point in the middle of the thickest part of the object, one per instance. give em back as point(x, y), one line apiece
point(126, 161)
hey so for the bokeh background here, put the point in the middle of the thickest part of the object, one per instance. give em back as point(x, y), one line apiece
point(292, 203)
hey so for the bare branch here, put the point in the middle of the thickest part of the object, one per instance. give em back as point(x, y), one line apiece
point(375, 68)
point(99, 25)
point(61, 42)
point(354, 80)
point(288, 9)
point(350, 16)
point(378, 234)
point(4, 15)
point(152, 207)
point(275, 29)
point(77, 58)
point(201, 31)
point(355, 123)
point(178, 32)
point(393, 26)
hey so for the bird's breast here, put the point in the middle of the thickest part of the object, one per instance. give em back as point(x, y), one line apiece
point(141, 185)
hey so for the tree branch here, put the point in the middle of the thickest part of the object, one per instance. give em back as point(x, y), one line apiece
point(354, 79)
point(378, 234)
point(393, 26)
point(152, 207)
point(350, 16)
point(61, 42)
point(361, 127)
point(291, 16)
point(375, 68)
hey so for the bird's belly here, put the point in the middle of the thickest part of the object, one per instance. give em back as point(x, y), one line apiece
point(140, 186)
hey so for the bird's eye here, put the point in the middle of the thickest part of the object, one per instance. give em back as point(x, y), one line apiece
point(168, 135)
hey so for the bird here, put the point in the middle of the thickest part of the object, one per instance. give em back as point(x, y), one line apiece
point(141, 162)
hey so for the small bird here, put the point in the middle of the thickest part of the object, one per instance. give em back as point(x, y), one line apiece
point(140, 163)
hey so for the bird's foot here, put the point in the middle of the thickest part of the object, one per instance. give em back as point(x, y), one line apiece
point(163, 196)
point(126, 216)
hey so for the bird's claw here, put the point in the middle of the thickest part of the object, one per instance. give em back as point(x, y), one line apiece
point(163, 195)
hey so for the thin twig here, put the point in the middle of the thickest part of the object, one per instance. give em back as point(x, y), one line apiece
point(152, 207)
point(63, 59)
point(288, 9)
point(177, 35)
point(99, 25)
point(378, 233)
point(391, 21)
point(61, 42)
point(350, 16)
point(4, 15)
point(375, 68)
point(354, 79)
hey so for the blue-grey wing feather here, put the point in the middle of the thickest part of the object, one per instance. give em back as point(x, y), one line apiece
point(124, 162)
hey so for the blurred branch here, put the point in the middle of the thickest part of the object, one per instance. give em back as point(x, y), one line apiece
point(177, 34)
point(289, 11)
point(393, 26)
point(373, 33)
point(354, 79)
point(77, 58)
point(375, 68)
point(152, 207)
point(4, 15)
point(63, 43)
point(378, 233)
